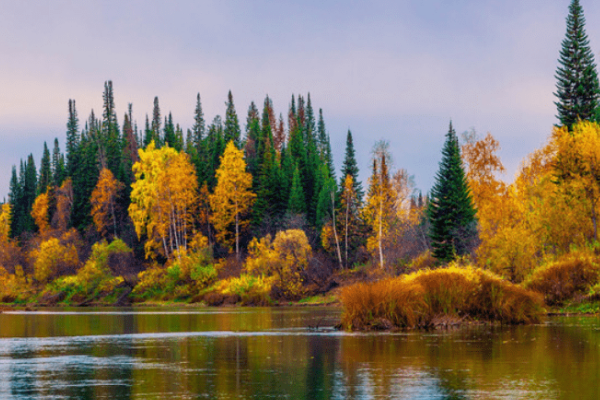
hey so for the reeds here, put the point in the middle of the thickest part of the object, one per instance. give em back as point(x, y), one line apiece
point(421, 298)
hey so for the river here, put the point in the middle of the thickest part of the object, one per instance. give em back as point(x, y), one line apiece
point(262, 353)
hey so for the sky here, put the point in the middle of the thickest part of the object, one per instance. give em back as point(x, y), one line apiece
point(393, 70)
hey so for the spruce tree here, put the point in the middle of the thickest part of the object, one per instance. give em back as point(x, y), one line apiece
point(72, 138)
point(199, 128)
point(577, 89)
point(155, 127)
point(297, 201)
point(232, 126)
point(58, 165)
point(451, 212)
point(350, 167)
point(109, 140)
point(45, 178)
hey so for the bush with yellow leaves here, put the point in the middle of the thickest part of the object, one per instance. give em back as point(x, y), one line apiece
point(95, 277)
point(184, 276)
point(12, 286)
point(285, 258)
point(51, 257)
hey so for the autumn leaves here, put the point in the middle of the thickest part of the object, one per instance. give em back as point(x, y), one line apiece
point(165, 201)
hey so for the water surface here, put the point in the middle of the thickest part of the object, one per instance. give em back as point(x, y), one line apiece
point(261, 353)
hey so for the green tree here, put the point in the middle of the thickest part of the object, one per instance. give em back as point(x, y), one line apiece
point(45, 177)
point(350, 167)
point(72, 138)
point(577, 89)
point(451, 212)
point(232, 125)
point(297, 201)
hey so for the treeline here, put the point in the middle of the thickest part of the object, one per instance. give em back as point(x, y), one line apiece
point(293, 178)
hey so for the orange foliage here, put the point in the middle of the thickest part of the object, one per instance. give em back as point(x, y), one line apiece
point(39, 212)
point(103, 202)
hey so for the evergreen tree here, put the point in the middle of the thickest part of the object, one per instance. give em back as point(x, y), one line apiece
point(109, 140)
point(577, 89)
point(58, 165)
point(324, 145)
point(86, 176)
point(130, 150)
point(297, 201)
point(451, 212)
point(155, 127)
point(232, 126)
point(14, 197)
point(45, 178)
point(72, 138)
point(169, 133)
point(199, 128)
point(350, 167)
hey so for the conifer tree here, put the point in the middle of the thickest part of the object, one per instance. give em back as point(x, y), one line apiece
point(72, 138)
point(155, 127)
point(232, 126)
point(169, 135)
point(45, 177)
point(577, 89)
point(297, 201)
point(58, 165)
point(109, 140)
point(350, 167)
point(199, 128)
point(130, 150)
point(451, 212)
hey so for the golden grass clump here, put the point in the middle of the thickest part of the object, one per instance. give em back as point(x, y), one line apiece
point(571, 275)
point(422, 298)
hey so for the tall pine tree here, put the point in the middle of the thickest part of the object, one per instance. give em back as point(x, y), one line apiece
point(577, 89)
point(451, 212)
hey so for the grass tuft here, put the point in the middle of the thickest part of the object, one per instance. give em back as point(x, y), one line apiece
point(422, 298)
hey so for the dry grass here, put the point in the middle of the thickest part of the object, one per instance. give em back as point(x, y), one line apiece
point(421, 298)
point(571, 275)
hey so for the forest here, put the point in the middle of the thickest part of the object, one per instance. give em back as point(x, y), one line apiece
point(257, 213)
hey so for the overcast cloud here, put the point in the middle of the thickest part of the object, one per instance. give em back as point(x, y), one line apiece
point(392, 70)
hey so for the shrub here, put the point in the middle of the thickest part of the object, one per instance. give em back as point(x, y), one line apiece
point(418, 299)
point(51, 257)
point(251, 290)
point(12, 286)
point(94, 278)
point(183, 277)
point(285, 259)
point(571, 275)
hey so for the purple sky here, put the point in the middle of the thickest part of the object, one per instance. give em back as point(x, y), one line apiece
point(392, 70)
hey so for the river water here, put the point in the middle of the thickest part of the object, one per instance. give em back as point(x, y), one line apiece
point(262, 353)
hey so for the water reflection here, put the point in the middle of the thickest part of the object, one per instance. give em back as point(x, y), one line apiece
point(268, 353)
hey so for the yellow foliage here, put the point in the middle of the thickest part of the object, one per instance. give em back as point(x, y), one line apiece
point(232, 197)
point(577, 165)
point(163, 199)
point(51, 257)
point(285, 258)
point(64, 204)
point(103, 202)
point(379, 209)
point(5, 221)
point(251, 289)
point(12, 285)
point(569, 275)
point(39, 212)
point(418, 299)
